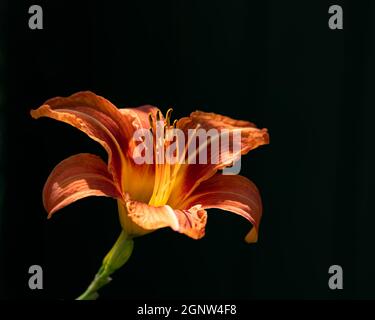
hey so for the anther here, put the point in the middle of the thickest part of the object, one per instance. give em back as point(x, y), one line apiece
point(158, 115)
point(168, 116)
point(151, 120)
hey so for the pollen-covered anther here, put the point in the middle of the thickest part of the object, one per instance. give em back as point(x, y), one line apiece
point(150, 121)
point(168, 117)
point(158, 116)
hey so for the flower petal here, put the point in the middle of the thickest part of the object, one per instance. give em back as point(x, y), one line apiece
point(77, 177)
point(191, 175)
point(213, 120)
point(98, 118)
point(230, 193)
point(191, 222)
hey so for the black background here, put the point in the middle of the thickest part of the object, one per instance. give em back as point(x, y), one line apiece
point(275, 63)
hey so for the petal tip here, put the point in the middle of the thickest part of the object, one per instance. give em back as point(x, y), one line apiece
point(33, 114)
point(252, 236)
point(266, 136)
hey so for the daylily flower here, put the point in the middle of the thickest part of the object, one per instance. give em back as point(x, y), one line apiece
point(149, 196)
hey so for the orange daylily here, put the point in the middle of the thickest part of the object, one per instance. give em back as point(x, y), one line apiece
point(149, 196)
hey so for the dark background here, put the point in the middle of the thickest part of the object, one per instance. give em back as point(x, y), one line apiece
point(275, 63)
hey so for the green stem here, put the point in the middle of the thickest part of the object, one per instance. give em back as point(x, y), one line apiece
point(115, 259)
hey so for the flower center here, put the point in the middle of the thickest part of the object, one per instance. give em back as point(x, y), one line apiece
point(165, 173)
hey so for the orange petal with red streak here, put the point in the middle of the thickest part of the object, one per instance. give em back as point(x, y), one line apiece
point(194, 174)
point(232, 193)
point(77, 177)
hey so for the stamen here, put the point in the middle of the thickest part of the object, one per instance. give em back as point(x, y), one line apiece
point(151, 120)
point(168, 117)
point(165, 173)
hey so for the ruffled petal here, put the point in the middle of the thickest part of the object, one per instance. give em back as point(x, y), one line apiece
point(190, 222)
point(232, 193)
point(77, 177)
point(209, 120)
point(98, 118)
